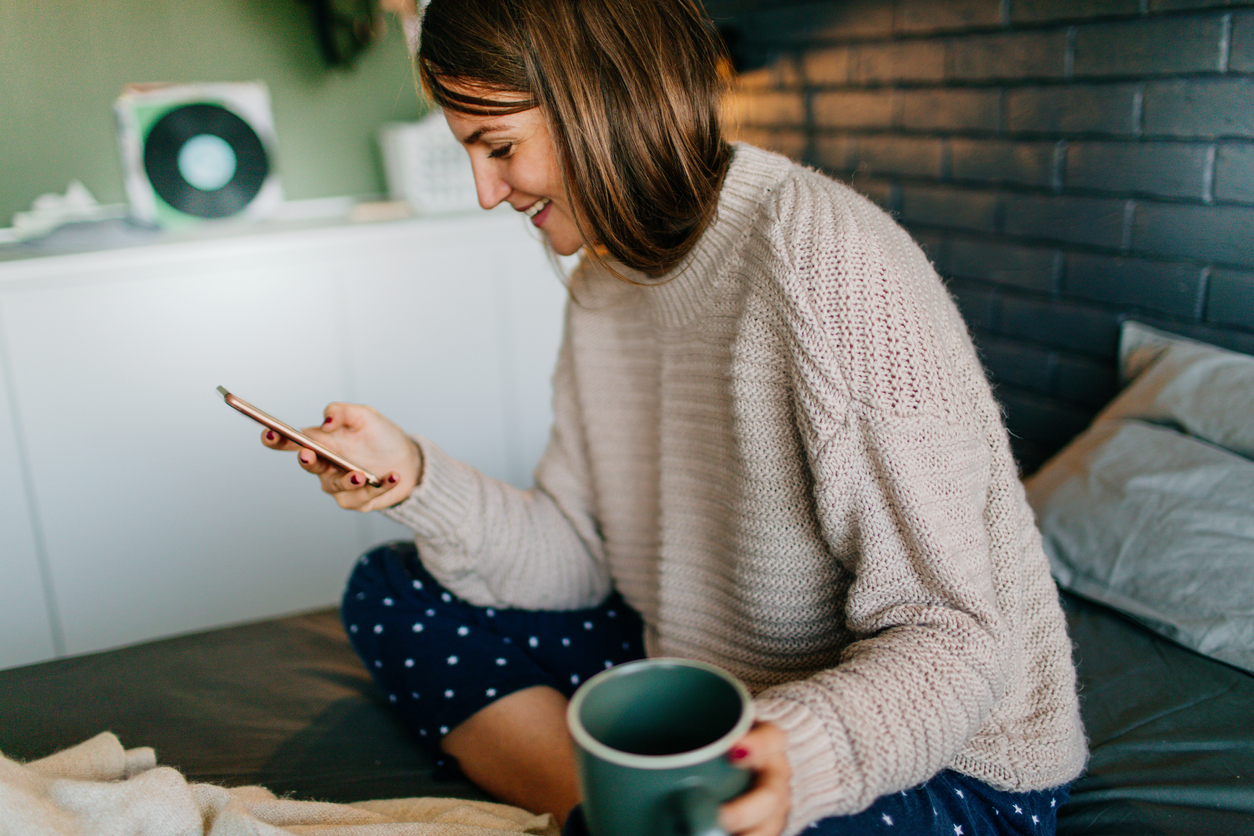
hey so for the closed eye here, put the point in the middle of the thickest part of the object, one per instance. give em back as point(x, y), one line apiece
point(501, 152)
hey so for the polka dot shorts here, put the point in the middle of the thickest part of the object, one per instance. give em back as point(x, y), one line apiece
point(953, 804)
point(950, 804)
point(440, 660)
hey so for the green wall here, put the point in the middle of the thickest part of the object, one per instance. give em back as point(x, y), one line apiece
point(64, 62)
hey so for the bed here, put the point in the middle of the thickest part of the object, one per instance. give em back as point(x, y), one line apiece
point(1163, 645)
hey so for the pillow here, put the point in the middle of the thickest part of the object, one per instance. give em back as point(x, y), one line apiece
point(1151, 509)
point(1159, 526)
point(1206, 391)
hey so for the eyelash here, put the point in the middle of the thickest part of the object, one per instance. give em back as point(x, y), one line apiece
point(502, 152)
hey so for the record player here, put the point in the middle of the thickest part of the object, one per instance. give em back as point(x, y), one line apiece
point(198, 152)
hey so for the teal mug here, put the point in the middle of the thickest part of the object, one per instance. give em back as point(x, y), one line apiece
point(652, 739)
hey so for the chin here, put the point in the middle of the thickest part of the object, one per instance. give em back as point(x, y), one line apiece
point(565, 244)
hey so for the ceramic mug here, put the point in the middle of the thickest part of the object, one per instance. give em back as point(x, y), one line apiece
point(651, 740)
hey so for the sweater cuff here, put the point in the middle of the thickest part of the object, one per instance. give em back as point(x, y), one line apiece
point(441, 501)
point(824, 780)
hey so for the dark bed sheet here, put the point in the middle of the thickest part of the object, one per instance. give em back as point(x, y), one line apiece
point(286, 704)
point(1171, 734)
point(283, 703)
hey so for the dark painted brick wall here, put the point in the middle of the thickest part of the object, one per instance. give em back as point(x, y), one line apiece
point(1065, 164)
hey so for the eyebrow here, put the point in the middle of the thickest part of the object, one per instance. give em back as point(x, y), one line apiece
point(477, 135)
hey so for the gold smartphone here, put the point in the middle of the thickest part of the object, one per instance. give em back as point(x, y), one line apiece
point(294, 435)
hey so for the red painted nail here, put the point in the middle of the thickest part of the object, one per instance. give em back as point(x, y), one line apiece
point(326, 421)
point(392, 478)
point(739, 753)
point(355, 479)
point(269, 435)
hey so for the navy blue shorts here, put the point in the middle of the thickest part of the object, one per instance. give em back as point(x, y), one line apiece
point(440, 660)
point(950, 804)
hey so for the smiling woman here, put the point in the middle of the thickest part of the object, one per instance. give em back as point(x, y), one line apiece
point(774, 450)
point(630, 94)
point(515, 161)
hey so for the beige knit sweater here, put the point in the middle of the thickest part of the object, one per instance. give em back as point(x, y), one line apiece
point(788, 459)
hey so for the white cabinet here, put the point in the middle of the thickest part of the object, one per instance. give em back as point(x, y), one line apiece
point(25, 626)
point(158, 510)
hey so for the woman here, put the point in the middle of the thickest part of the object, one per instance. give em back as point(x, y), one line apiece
point(774, 449)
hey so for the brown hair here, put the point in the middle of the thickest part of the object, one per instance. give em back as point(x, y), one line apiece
point(631, 91)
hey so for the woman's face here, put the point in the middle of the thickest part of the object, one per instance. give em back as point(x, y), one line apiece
point(514, 161)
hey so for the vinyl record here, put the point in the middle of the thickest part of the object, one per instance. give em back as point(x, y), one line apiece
point(205, 161)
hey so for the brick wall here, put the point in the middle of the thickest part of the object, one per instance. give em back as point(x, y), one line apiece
point(1065, 164)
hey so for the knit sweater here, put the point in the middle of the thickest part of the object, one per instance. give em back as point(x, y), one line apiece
point(787, 457)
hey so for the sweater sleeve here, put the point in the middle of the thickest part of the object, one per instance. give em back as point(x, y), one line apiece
point(900, 445)
point(930, 660)
point(495, 545)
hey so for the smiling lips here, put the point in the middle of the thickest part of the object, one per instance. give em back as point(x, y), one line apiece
point(533, 211)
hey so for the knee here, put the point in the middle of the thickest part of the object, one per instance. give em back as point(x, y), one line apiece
point(373, 576)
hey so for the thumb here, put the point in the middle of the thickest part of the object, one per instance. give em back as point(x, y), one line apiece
point(764, 742)
point(337, 415)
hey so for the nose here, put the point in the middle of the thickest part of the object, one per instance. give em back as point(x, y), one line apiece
point(489, 185)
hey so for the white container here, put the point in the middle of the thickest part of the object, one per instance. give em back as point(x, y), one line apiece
point(426, 166)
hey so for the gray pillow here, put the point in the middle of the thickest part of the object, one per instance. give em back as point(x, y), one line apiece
point(1151, 509)
point(1207, 392)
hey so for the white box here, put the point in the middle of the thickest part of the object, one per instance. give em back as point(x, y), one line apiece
point(426, 166)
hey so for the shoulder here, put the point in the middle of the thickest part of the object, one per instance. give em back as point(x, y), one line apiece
point(857, 288)
point(820, 232)
point(794, 195)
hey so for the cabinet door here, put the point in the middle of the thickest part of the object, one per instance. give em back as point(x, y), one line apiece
point(453, 331)
point(531, 289)
point(161, 511)
point(25, 617)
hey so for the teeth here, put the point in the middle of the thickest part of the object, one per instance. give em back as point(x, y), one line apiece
point(535, 208)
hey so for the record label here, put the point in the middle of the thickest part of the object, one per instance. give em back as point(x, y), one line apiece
point(205, 160)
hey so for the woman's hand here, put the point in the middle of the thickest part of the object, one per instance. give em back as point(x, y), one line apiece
point(763, 810)
point(363, 436)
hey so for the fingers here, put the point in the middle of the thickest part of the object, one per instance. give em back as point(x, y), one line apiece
point(311, 462)
point(359, 434)
point(360, 495)
point(763, 810)
point(334, 480)
point(349, 489)
point(276, 442)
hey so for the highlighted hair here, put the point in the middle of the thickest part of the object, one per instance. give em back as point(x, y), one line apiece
point(631, 92)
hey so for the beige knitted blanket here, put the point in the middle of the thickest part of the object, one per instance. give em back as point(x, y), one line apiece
point(98, 788)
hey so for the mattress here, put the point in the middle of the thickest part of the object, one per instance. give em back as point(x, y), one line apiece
point(285, 703)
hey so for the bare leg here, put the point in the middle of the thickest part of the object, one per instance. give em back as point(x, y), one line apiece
point(518, 749)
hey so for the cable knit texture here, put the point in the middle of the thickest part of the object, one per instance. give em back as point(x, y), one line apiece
point(788, 459)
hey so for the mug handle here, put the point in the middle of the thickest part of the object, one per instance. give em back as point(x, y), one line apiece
point(691, 810)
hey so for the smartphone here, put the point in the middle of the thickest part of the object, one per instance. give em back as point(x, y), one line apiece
point(295, 435)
